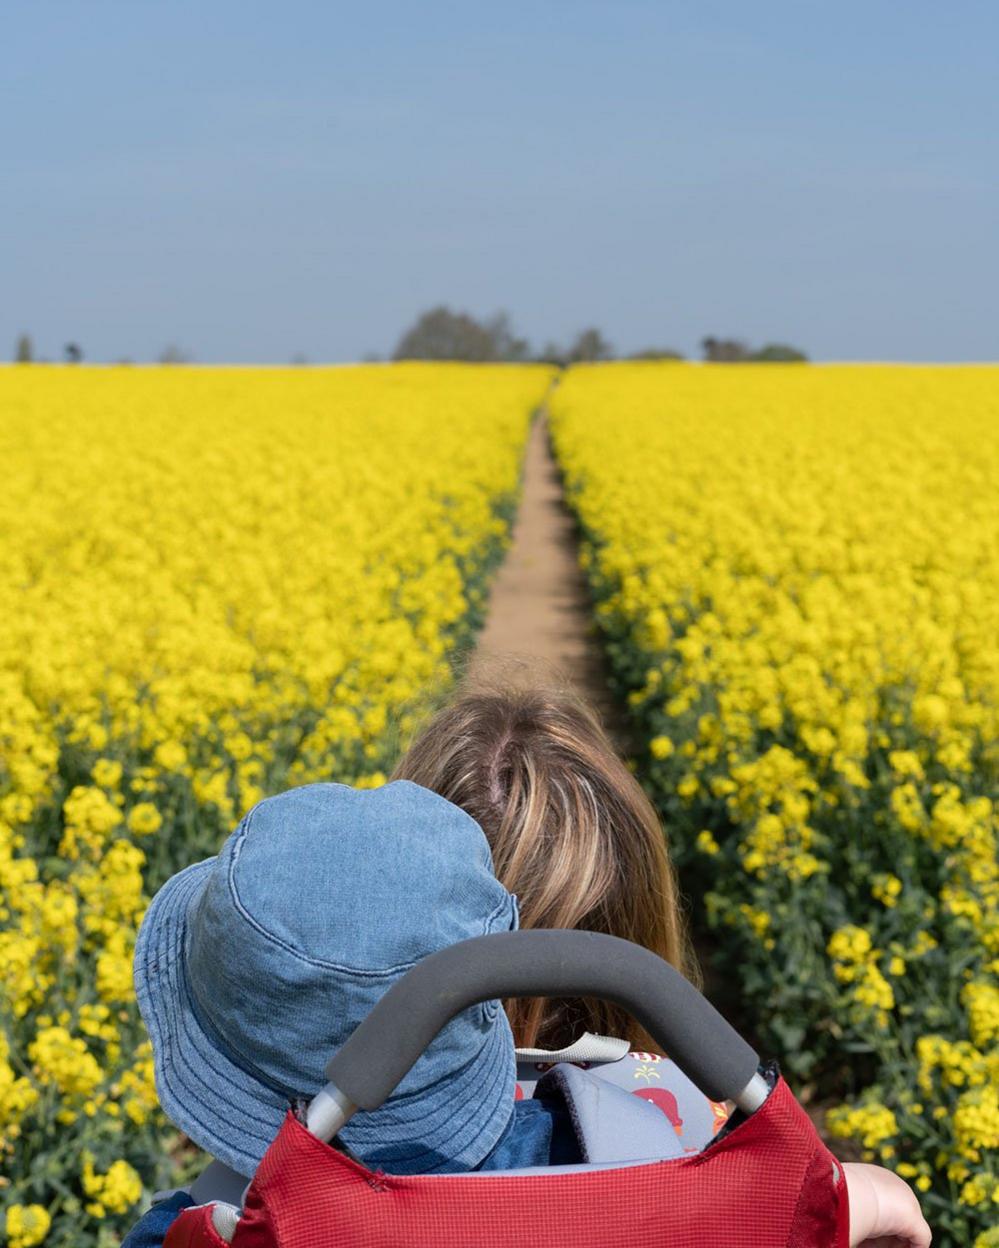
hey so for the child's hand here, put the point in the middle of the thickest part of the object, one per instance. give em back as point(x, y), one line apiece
point(884, 1211)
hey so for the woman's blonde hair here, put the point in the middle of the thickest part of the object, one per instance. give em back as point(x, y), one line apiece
point(572, 835)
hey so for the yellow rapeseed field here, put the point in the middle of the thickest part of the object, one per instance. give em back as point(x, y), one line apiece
point(797, 574)
point(214, 583)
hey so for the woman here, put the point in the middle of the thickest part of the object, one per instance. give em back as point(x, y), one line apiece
point(573, 836)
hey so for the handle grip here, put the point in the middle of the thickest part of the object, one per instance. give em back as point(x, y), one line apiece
point(383, 1048)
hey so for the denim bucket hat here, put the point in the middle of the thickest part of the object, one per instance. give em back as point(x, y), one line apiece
point(253, 967)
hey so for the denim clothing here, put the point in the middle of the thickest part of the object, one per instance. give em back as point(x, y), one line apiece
point(253, 968)
point(150, 1230)
point(540, 1134)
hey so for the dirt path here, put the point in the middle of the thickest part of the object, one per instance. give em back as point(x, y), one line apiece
point(540, 612)
point(539, 607)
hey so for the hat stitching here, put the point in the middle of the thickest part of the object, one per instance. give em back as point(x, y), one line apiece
point(169, 1068)
point(187, 1096)
point(467, 1141)
point(449, 1129)
point(184, 1104)
point(454, 1123)
point(404, 1100)
point(146, 953)
point(206, 1052)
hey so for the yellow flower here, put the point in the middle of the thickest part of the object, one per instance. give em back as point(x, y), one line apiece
point(144, 819)
point(849, 944)
point(27, 1225)
point(758, 920)
point(170, 756)
point(113, 1192)
point(661, 747)
point(90, 817)
point(930, 712)
point(137, 1088)
point(106, 773)
point(907, 807)
point(905, 763)
point(17, 1095)
point(975, 1191)
point(802, 866)
point(872, 1124)
point(874, 991)
point(65, 1062)
point(706, 842)
point(887, 889)
point(114, 969)
point(982, 1002)
point(976, 1122)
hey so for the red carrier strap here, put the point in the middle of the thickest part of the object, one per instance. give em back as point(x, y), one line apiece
point(193, 1228)
point(768, 1183)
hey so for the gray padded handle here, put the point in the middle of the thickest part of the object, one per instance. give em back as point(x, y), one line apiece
point(540, 963)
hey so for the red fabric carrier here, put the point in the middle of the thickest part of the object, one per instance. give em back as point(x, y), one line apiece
point(769, 1183)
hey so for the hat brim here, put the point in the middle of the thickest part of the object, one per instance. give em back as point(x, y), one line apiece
point(226, 1110)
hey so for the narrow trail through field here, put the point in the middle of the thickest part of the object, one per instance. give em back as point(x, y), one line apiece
point(540, 612)
point(539, 608)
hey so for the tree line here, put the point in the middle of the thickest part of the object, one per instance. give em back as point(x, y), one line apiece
point(442, 334)
point(72, 353)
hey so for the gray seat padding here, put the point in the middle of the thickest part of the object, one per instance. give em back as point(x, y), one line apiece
point(611, 1124)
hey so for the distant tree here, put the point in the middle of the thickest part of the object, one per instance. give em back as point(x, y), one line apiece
point(778, 353)
point(657, 353)
point(73, 353)
point(589, 346)
point(372, 357)
point(172, 354)
point(724, 350)
point(24, 352)
point(734, 351)
point(552, 353)
point(440, 334)
point(509, 346)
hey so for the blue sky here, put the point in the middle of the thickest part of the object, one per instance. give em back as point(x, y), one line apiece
point(250, 181)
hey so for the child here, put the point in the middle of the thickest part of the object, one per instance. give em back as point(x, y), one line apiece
point(252, 968)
